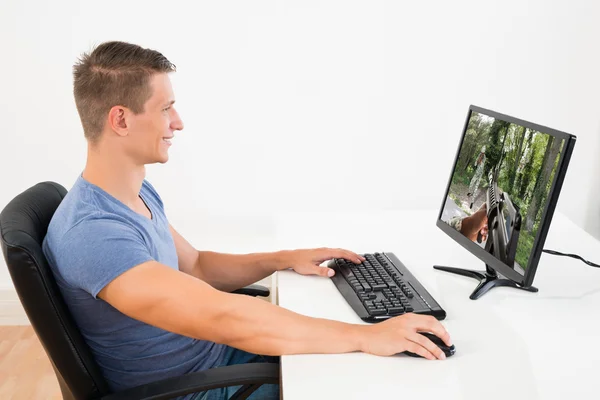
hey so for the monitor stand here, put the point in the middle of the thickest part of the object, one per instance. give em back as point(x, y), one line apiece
point(488, 279)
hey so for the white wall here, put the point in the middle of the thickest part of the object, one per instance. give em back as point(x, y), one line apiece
point(289, 104)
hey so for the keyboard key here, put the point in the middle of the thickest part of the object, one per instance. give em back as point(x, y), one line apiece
point(395, 310)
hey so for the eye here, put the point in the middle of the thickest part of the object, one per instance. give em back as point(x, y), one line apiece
point(167, 109)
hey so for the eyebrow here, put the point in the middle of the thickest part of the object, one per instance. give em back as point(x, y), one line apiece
point(168, 103)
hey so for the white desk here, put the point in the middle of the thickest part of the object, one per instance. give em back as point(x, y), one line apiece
point(510, 344)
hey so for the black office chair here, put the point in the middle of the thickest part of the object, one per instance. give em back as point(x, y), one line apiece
point(23, 225)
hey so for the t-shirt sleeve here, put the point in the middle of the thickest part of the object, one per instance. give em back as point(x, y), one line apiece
point(95, 252)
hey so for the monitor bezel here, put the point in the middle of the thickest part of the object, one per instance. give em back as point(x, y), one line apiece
point(547, 213)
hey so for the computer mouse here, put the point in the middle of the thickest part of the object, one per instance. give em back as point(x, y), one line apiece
point(448, 350)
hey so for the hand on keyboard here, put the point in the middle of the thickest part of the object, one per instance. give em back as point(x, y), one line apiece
point(400, 334)
point(307, 262)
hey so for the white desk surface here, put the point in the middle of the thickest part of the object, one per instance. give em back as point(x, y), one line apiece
point(510, 344)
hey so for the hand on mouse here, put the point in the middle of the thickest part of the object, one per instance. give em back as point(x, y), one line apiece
point(400, 334)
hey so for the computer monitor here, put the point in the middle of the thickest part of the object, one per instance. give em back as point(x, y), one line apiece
point(501, 196)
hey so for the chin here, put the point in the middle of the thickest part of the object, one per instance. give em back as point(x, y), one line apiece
point(162, 157)
point(157, 160)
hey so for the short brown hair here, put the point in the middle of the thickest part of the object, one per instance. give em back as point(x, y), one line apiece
point(115, 73)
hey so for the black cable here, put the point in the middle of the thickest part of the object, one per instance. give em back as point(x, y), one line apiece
point(557, 253)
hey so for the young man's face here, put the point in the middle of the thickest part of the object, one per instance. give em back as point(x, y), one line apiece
point(151, 131)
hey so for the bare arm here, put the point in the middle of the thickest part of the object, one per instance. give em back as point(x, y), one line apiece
point(171, 300)
point(226, 272)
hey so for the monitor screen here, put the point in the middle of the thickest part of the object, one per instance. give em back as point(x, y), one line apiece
point(500, 186)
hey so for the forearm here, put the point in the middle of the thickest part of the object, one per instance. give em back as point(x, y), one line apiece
point(161, 296)
point(228, 272)
point(260, 327)
point(173, 301)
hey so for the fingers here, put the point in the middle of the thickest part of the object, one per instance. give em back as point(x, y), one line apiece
point(323, 271)
point(428, 347)
point(484, 233)
point(428, 323)
point(420, 350)
point(357, 259)
point(345, 254)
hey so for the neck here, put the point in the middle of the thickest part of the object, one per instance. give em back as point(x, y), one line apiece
point(114, 173)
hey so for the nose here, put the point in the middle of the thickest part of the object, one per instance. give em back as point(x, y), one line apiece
point(176, 123)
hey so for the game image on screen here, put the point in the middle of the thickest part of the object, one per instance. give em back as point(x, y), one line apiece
point(500, 187)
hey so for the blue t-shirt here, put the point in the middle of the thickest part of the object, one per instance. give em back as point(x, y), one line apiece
point(92, 239)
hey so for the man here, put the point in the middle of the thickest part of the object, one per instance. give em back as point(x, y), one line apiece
point(149, 305)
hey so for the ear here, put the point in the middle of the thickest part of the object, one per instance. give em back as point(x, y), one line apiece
point(117, 120)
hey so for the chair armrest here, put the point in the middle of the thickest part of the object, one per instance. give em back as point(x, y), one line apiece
point(253, 290)
point(255, 374)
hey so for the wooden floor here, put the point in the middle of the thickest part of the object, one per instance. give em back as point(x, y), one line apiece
point(25, 371)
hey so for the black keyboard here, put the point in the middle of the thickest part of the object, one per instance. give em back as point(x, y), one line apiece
point(382, 287)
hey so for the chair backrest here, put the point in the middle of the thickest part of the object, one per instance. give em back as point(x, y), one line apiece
point(23, 226)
